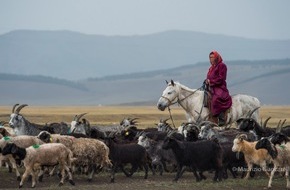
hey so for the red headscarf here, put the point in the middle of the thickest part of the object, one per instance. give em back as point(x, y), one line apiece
point(217, 56)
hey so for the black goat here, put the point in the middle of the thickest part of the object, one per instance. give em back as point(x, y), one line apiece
point(190, 131)
point(121, 154)
point(249, 124)
point(279, 138)
point(159, 156)
point(199, 156)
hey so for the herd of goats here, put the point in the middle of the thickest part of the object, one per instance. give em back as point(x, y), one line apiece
point(79, 148)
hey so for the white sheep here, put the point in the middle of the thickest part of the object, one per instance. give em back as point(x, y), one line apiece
point(252, 156)
point(22, 141)
point(36, 156)
point(88, 152)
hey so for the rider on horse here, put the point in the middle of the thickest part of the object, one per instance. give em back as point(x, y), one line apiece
point(220, 100)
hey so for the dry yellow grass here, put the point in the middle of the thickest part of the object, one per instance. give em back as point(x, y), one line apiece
point(112, 115)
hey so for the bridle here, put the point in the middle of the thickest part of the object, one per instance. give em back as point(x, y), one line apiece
point(172, 102)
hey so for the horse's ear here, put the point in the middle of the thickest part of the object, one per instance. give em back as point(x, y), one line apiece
point(166, 81)
point(172, 82)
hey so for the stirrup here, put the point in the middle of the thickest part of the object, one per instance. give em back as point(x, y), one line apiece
point(221, 122)
point(221, 119)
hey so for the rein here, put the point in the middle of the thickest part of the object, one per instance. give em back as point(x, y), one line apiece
point(180, 100)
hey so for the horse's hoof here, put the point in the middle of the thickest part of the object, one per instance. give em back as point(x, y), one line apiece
point(60, 184)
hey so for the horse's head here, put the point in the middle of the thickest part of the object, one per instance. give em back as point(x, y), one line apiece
point(169, 96)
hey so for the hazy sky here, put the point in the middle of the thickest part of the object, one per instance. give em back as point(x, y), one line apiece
point(267, 19)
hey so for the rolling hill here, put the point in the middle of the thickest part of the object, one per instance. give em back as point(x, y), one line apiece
point(74, 56)
point(265, 79)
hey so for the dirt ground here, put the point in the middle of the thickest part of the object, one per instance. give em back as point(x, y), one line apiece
point(102, 181)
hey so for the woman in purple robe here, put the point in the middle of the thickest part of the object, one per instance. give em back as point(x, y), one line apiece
point(216, 80)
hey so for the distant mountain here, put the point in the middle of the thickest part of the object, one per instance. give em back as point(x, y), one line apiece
point(265, 79)
point(74, 56)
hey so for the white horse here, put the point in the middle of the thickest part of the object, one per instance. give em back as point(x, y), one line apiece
point(191, 100)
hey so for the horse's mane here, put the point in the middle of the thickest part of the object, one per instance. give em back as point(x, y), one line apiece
point(184, 87)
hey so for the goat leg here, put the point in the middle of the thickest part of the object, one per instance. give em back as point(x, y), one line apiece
point(178, 173)
point(271, 176)
point(286, 176)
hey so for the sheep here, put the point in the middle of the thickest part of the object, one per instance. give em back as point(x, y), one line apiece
point(22, 141)
point(22, 126)
point(5, 131)
point(36, 156)
point(88, 152)
point(280, 155)
point(251, 155)
point(122, 154)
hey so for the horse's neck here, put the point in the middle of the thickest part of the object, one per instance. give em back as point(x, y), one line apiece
point(190, 98)
point(191, 102)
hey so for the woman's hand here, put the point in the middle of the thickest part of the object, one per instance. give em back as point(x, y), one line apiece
point(207, 81)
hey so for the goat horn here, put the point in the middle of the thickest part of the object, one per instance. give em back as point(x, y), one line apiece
point(133, 119)
point(164, 121)
point(169, 134)
point(278, 129)
point(283, 123)
point(242, 136)
point(105, 134)
point(79, 116)
point(278, 126)
point(265, 123)
point(251, 113)
point(13, 109)
point(20, 107)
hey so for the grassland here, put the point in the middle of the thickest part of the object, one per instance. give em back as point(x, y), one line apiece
point(112, 115)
